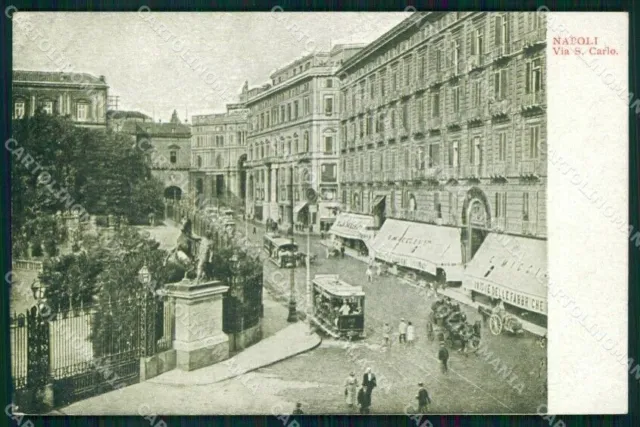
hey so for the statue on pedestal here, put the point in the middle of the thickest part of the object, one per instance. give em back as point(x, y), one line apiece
point(190, 254)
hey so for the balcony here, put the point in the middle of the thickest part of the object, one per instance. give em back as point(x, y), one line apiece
point(428, 173)
point(474, 62)
point(452, 72)
point(500, 52)
point(472, 171)
point(420, 128)
point(366, 176)
point(451, 172)
point(389, 176)
point(434, 123)
point(406, 90)
point(403, 132)
point(537, 37)
point(403, 175)
point(454, 119)
point(476, 114)
point(360, 141)
point(360, 107)
point(500, 108)
point(436, 78)
point(533, 101)
point(533, 168)
point(379, 137)
point(422, 216)
point(499, 170)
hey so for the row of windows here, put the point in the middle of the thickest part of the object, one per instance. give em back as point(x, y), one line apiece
point(290, 147)
point(497, 89)
point(290, 112)
point(429, 156)
point(82, 109)
point(528, 202)
point(219, 163)
point(445, 49)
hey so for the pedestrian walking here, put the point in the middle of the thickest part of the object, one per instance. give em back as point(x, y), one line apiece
point(423, 399)
point(443, 357)
point(369, 382)
point(364, 400)
point(402, 329)
point(386, 330)
point(254, 229)
point(350, 389)
point(369, 274)
point(411, 333)
point(298, 410)
point(327, 251)
point(342, 251)
point(379, 269)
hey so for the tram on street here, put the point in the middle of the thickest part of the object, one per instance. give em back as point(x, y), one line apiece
point(338, 307)
point(281, 251)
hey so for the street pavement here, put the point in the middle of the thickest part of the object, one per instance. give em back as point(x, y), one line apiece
point(506, 376)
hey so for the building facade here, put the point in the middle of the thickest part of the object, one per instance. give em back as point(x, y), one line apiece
point(293, 142)
point(80, 96)
point(444, 125)
point(219, 156)
point(168, 146)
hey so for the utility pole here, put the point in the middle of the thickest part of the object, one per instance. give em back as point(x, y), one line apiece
point(293, 312)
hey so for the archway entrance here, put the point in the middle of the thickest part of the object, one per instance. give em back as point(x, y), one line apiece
point(173, 193)
point(477, 221)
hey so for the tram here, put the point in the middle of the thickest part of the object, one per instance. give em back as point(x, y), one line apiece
point(338, 307)
point(281, 251)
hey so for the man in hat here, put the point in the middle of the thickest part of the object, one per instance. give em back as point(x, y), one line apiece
point(369, 382)
point(443, 357)
point(423, 399)
point(364, 400)
point(402, 330)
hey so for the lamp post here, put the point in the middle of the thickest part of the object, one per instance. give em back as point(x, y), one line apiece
point(38, 294)
point(144, 276)
point(293, 312)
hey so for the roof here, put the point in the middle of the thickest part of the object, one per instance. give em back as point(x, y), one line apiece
point(333, 285)
point(163, 129)
point(122, 114)
point(58, 78)
point(280, 241)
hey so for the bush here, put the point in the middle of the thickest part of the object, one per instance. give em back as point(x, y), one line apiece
point(102, 221)
point(51, 247)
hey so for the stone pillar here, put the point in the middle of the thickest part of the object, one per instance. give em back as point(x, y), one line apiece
point(199, 340)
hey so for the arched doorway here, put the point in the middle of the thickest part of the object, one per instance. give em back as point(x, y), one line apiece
point(477, 220)
point(173, 193)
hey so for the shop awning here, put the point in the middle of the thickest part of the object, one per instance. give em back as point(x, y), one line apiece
point(348, 225)
point(387, 239)
point(511, 268)
point(299, 207)
point(424, 247)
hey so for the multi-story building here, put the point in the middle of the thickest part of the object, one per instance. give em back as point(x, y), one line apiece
point(79, 96)
point(218, 156)
point(443, 148)
point(116, 119)
point(168, 146)
point(293, 141)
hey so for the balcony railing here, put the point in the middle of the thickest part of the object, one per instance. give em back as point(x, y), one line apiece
point(452, 71)
point(379, 137)
point(533, 168)
point(389, 176)
point(402, 132)
point(535, 38)
point(500, 108)
point(472, 171)
point(451, 172)
point(454, 118)
point(407, 90)
point(436, 77)
point(477, 114)
point(499, 170)
point(533, 100)
point(500, 52)
point(474, 62)
point(420, 127)
point(403, 174)
point(518, 226)
point(434, 123)
point(421, 215)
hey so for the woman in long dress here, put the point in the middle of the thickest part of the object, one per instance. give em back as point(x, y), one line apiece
point(350, 389)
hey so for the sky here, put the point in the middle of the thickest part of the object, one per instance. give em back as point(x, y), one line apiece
point(196, 62)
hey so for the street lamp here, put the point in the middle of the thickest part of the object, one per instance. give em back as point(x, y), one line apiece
point(293, 311)
point(38, 290)
point(144, 276)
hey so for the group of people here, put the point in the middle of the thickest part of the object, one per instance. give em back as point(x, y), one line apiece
point(360, 395)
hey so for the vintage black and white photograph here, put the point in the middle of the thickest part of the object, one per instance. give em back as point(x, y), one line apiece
point(279, 213)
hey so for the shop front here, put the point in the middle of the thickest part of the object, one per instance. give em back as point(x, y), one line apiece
point(353, 230)
point(426, 248)
point(511, 269)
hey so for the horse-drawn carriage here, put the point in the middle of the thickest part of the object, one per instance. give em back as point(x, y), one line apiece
point(500, 320)
point(450, 324)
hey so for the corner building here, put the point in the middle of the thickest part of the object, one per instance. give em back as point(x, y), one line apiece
point(443, 150)
point(293, 142)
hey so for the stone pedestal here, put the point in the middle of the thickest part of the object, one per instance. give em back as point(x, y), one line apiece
point(199, 340)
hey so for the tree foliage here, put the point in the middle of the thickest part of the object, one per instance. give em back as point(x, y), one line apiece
point(97, 171)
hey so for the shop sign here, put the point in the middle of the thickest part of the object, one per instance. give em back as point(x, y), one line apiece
point(528, 302)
